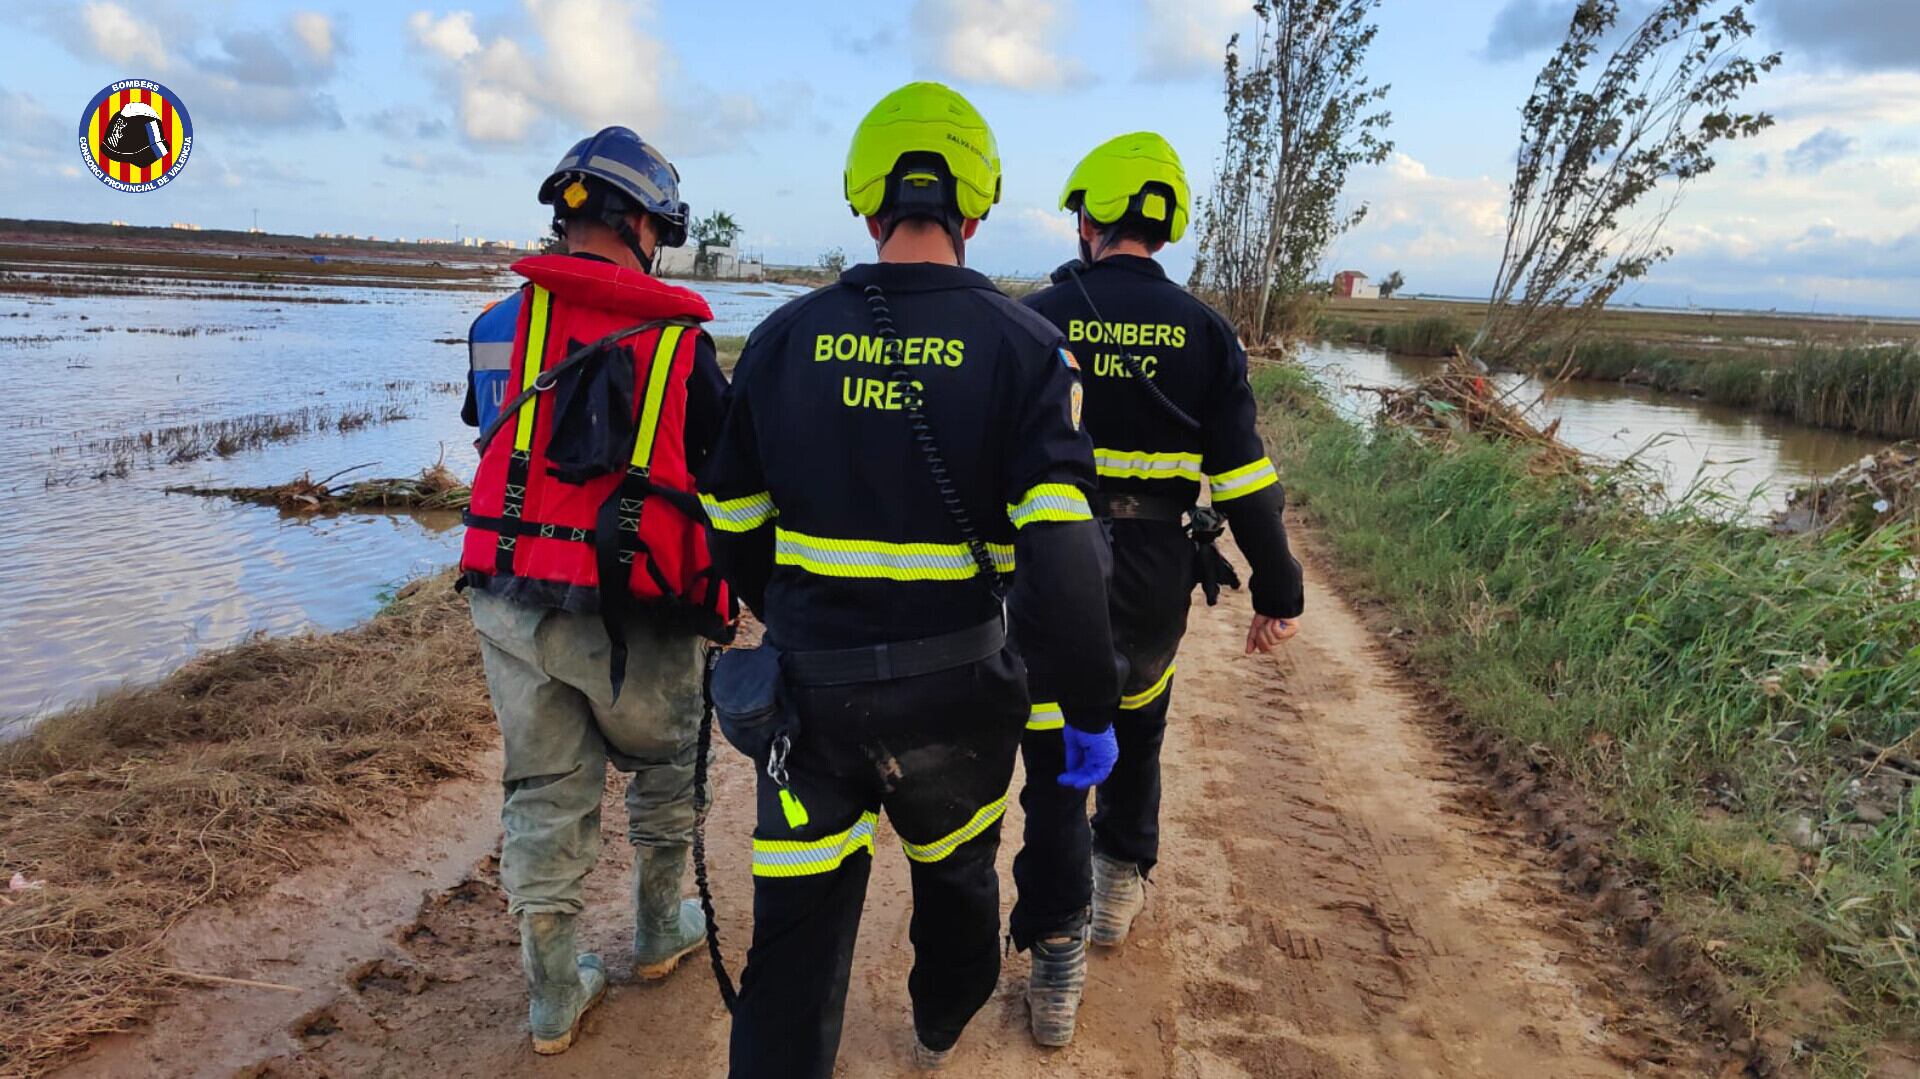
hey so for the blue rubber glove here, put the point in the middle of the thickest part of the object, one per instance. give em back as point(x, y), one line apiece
point(1090, 757)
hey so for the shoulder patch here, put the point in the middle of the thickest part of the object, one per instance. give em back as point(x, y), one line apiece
point(1067, 358)
point(1078, 399)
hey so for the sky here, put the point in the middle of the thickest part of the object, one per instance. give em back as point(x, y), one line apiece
point(417, 119)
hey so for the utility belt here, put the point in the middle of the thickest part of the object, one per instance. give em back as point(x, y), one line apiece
point(1130, 507)
point(747, 683)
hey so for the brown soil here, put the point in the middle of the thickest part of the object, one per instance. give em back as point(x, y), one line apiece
point(1338, 897)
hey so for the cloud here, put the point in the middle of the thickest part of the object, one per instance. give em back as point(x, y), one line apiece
point(406, 122)
point(1184, 39)
point(434, 164)
point(995, 42)
point(30, 131)
point(1053, 224)
point(315, 32)
point(1524, 27)
point(588, 64)
point(118, 35)
point(1867, 35)
point(878, 40)
point(1824, 147)
point(267, 75)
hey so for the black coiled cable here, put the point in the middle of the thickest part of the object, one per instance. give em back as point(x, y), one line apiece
point(1134, 367)
point(702, 801)
point(898, 375)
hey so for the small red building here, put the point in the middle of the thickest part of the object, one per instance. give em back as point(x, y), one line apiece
point(1354, 285)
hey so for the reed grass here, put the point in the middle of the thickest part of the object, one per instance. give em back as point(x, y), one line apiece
point(1743, 704)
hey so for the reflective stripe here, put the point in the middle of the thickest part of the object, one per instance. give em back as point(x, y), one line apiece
point(740, 514)
point(807, 857)
point(882, 560)
point(1243, 480)
point(1050, 502)
point(656, 395)
point(633, 176)
point(1137, 701)
point(490, 355)
point(533, 359)
point(1046, 716)
point(1141, 465)
point(940, 848)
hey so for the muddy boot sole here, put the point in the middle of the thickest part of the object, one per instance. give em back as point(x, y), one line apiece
point(547, 1047)
point(659, 968)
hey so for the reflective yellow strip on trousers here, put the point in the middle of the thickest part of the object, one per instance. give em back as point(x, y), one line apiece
point(531, 362)
point(1135, 702)
point(940, 848)
point(657, 375)
point(808, 857)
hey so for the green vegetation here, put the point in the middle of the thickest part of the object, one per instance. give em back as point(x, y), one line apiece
point(1720, 691)
point(1429, 336)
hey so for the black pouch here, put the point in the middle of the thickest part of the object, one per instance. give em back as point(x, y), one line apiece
point(747, 699)
point(594, 425)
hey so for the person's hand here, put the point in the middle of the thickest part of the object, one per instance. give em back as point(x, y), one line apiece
point(1090, 757)
point(1265, 633)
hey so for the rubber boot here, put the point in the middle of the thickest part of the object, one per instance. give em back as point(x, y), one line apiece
point(561, 985)
point(1054, 986)
point(1118, 896)
point(665, 927)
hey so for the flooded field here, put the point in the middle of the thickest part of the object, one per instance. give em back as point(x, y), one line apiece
point(109, 578)
point(1747, 459)
point(113, 580)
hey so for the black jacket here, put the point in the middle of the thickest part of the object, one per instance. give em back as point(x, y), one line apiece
point(827, 518)
point(1192, 354)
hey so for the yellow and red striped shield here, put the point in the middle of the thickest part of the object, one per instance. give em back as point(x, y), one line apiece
point(135, 135)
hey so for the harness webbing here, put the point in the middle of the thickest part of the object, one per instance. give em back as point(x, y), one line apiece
point(520, 460)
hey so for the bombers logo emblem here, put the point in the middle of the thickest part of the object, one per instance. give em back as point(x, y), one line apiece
point(135, 136)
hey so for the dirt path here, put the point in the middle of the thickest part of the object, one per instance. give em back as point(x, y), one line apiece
point(1333, 900)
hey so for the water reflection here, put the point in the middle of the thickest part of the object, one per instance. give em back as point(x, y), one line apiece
point(1749, 459)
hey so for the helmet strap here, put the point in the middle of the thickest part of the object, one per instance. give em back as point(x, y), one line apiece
point(628, 237)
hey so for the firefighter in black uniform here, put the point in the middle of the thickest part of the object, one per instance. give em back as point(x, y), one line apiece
point(893, 443)
point(1167, 404)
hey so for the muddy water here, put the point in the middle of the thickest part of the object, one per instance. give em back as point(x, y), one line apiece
point(113, 581)
point(1746, 461)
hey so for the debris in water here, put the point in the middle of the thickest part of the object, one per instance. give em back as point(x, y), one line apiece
point(1864, 496)
point(1461, 400)
point(436, 488)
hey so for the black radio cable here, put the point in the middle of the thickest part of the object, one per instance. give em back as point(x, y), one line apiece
point(1134, 366)
point(898, 375)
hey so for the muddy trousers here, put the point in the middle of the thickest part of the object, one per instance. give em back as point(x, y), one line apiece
point(560, 728)
point(1150, 595)
point(936, 754)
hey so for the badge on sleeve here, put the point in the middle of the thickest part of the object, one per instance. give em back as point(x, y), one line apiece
point(1078, 399)
point(1067, 358)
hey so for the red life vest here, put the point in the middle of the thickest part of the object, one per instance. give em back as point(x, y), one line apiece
point(534, 535)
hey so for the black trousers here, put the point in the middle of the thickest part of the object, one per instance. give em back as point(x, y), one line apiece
point(1150, 596)
point(936, 753)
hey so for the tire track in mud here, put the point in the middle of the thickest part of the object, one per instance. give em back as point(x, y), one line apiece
point(1336, 898)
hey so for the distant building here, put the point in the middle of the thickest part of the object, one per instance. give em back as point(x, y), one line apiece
point(184, 226)
point(1354, 285)
point(728, 263)
point(117, 223)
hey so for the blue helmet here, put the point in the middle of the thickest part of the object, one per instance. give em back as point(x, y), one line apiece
point(636, 177)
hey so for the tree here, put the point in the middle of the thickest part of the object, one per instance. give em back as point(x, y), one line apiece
point(1300, 115)
point(1394, 283)
point(717, 229)
point(1598, 138)
point(834, 261)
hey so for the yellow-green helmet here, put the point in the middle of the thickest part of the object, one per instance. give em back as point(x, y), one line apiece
point(1109, 182)
point(924, 117)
